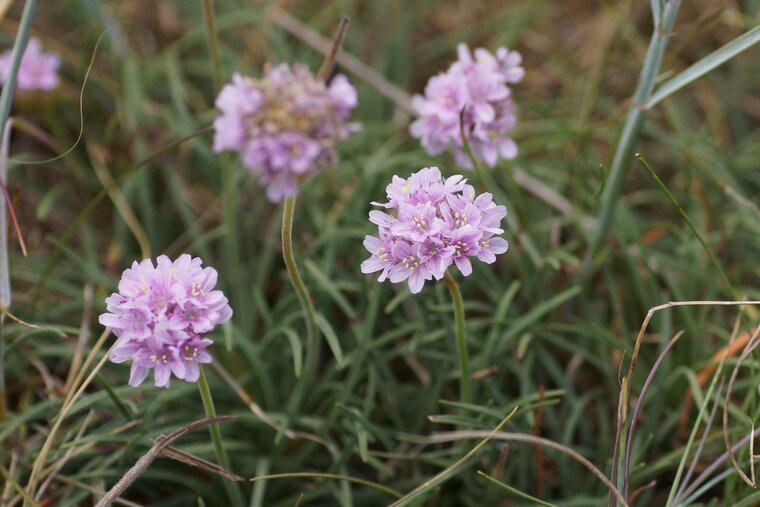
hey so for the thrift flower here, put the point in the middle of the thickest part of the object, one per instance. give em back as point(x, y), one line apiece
point(38, 70)
point(478, 85)
point(433, 223)
point(160, 315)
point(285, 125)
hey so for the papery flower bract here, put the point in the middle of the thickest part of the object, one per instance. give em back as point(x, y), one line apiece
point(285, 125)
point(475, 89)
point(433, 223)
point(160, 316)
point(37, 71)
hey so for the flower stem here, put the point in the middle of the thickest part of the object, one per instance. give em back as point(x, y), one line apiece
point(229, 190)
point(295, 278)
point(208, 16)
point(465, 389)
point(221, 454)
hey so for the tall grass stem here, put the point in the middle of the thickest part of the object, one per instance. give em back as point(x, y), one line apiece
point(5, 273)
point(6, 97)
point(19, 47)
point(633, 122)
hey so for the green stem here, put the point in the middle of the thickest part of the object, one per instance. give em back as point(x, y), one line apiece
point(301, 291)
point(465, 389)
point(229, 191)
point(208, 17)
point(633, 123)
point(228, 177)
point(221, 454)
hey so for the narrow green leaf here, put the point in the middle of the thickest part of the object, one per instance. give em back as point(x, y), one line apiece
point(318, 475)
point(114, 397)
point(656, 10)
point(538, 311)
point(732, 292)
point(514, 491)
point(705, 65)
point(296, 349)
point(329, 286)
point(227, 331)
point(331, 337)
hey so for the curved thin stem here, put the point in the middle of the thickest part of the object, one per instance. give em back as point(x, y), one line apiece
point(213, 428)
point(80, 218)
point(298, 284)
point(637, 409)
point(465, 388)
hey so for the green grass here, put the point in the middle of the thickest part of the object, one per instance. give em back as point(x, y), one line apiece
point(560, 319)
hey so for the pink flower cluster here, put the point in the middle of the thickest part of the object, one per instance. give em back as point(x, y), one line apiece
point(161, 315)
point(38, 70)
point(285, 125)
point(437, 222)
point(479, 86)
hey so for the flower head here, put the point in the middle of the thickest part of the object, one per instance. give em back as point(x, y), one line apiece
point(285, 125)
point(433, 222)
point(475, 87)
point(160, 315)
point(37, 71)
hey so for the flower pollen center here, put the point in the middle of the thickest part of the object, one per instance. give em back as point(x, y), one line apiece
point(420, 222)
point(383, 254)
point(196, 290)
point(460, 249)
point(189, 353)
point(460, 219)
point(411, 262)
